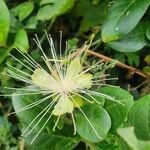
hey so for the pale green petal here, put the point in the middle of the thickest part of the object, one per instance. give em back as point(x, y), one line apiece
point(42, 79)
point(84, 81)
point(63, 106)
point(74, 68)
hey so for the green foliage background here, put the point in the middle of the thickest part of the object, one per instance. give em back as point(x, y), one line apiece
point(122, 32)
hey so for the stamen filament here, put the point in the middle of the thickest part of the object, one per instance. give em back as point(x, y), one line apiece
point(86, 118)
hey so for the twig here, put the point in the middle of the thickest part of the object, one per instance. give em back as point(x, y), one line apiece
point(118, 63)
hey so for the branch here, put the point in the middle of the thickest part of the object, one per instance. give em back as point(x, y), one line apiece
point(118, 63)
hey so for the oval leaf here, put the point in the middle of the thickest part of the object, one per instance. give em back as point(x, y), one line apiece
point(23, 10)
point(99, 125)
point(122, 18)
point(117, 111)
point(53, 8)
point(133, 41)
point(4, 23)
point(139, 117)
point(21, 40)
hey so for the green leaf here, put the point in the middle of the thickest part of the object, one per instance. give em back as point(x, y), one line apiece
point(4, 23)
point(133, 41)
point(135, 144)
point(31, 22)
point(99, 119)
point(117, 111)
point(86, 10)
point(21, 40)
point(148, 31)
point(139, 117)
point(55, 142)
point(23, 10)
point(123, 16)
point(53, 8)
point(26, 116)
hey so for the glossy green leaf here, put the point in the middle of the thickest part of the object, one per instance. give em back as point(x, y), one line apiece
point(127, 134)
point(21, 40)
point(133, 41)
point(4, 23)
point(85, 9)
point(53, 8)
point(139, 117)
point(99, 125)
point(123, 16)
point(23, 10)
point(117, 111)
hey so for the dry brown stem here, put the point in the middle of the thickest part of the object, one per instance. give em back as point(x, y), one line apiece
point(118, 63)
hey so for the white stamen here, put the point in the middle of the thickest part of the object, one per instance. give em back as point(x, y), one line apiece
point(86, 119)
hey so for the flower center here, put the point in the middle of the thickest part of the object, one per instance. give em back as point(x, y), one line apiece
point(65, 86)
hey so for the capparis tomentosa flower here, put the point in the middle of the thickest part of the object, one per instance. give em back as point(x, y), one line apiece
point(66, 81)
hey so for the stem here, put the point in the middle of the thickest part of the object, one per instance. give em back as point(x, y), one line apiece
point(118, 63)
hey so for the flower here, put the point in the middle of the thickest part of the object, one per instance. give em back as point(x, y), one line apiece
point(63, 84)
point(66, 80)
